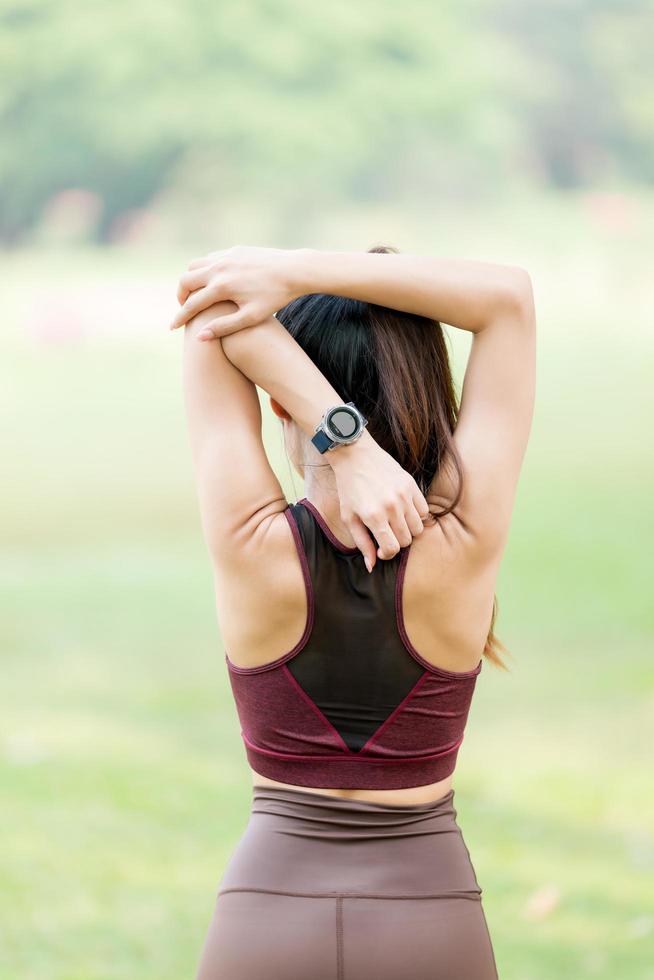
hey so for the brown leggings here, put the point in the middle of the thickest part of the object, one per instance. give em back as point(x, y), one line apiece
point(326, 888)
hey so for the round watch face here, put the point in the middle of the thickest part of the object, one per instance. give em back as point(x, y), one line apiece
point(343, 423)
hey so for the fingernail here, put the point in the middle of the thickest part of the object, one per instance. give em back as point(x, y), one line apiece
point(367, 561)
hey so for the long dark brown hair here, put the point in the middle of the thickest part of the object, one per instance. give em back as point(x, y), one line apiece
point(396, 368)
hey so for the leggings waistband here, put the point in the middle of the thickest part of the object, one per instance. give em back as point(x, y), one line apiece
point(332, 817)
point(304, 843)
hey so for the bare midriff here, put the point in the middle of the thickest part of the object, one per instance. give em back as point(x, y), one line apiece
point(415, 794)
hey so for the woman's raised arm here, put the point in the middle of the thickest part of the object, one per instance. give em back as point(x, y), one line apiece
point(465, 293)
point(492, 301)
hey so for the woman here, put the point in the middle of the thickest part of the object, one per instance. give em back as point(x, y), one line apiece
point(356, 620)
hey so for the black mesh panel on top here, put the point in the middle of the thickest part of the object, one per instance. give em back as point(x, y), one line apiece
point(354, 665)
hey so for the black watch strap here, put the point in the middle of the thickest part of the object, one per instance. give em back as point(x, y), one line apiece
point(322, 442)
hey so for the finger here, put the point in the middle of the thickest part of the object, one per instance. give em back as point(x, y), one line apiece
point(363, 540)
point(207, 333)
point(190, 281)
point(202, 299)
point(420, 502)
point(389, 546)
point(421, 505)
point(401, 530)
point(222, 326)
point(413, 519)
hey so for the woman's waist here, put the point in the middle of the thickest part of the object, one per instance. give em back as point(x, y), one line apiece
point(429, 793)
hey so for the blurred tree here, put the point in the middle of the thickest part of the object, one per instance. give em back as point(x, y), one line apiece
point(586, 93)
point(281, 99)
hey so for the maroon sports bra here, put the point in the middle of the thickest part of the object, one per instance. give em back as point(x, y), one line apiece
point(353, 705)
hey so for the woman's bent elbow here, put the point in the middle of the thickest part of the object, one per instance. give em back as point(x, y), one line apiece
point(518, 298)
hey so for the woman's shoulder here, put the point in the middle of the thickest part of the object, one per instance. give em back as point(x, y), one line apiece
point(264, 544)
point(446, 594)
point(262, 593)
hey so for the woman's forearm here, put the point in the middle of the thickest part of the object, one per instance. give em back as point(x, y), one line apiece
point(464, 293)
point(273, 360)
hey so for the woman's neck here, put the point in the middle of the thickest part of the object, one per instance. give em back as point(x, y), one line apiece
point(325, 499)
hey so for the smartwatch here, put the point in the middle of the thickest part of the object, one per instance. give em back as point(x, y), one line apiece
point(339, 426)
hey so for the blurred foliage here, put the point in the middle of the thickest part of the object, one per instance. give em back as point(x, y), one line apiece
point(285, 101)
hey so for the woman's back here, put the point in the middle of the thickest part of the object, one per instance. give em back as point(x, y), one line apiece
point(448, 594)
point(371, 686)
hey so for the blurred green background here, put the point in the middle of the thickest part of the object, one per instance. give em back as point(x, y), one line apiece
point(139, 136)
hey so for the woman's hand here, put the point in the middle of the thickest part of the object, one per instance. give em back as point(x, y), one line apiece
point(258, 280)
point(377, 495)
